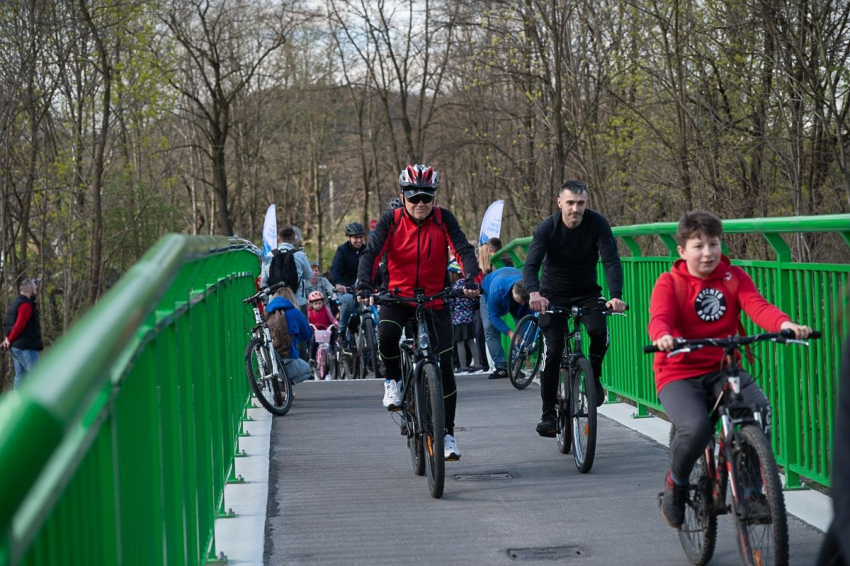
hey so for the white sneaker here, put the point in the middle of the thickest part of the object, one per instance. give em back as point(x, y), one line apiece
point(452, 452)
point(329, 377)
point(391, 399)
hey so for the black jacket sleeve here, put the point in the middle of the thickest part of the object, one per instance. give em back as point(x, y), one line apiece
point(535, 255)
point(610, 260)
point(464, 251)
point(338, 265)
point(370, 258)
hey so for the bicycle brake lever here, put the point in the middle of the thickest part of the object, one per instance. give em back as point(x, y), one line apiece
point(679, 352)
point(795, 341)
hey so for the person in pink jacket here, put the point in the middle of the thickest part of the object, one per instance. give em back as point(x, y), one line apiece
point(702, 296)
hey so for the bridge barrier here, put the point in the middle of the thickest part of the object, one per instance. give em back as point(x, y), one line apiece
point(116, 449)
point(800, 382)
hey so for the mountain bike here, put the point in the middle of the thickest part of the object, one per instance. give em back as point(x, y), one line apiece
point(263, 365)
point(575, 407)
point(741, 456)
point(421, 392)
point(526, 351)
point(363, 356)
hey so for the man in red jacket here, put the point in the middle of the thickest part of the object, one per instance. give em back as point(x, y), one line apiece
point(702, 296)
point(416, 239)
point(23, 330)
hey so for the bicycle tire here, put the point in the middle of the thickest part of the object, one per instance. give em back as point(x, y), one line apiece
point(429, 411)
point(324, 363)
point(359, 361)
point(414, 440)
point(267, 390)
point(368, 330)
point(525, 353)
point(698, 534)
point(583, 415)
point(760, 541)
point(563, 432)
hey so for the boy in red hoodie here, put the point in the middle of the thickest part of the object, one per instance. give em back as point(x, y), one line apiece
point(713, 293)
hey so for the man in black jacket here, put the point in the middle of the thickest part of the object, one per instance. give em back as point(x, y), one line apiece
point(344, 274)
point(23, 330)
point(569, 245)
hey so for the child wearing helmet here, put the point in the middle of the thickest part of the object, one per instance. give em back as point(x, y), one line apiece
point(321, 318)
point(463, 322)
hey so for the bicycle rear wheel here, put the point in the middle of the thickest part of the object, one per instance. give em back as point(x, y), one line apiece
point(429, 410)
point(273, 391)
point(525, 352)
point(563, 433)
point(698, 534)
point(760, 515)
point(367, 328)
point(583, 413)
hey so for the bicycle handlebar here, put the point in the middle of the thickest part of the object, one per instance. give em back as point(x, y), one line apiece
point(785, 336)
point(568, 311)
point(265, 291)
point(387, 298)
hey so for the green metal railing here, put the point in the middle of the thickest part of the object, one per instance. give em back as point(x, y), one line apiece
point(800, 382)
point(116, 449)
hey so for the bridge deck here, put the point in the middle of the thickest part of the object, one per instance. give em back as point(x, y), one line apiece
point(342, 490)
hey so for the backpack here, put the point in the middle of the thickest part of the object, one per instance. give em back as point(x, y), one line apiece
point(283, 268)
point(279, 329)
point(730, 289)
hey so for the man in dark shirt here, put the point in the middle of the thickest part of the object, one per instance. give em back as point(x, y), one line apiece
point(23, 330)
point(344, 274)
point(569, 245)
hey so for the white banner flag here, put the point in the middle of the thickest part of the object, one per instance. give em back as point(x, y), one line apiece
point(269, 232)
point(491, 225)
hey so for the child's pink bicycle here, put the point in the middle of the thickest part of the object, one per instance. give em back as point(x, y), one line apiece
point(327, 364)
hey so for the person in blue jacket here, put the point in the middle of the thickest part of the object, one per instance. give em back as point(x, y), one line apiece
point(299, 327)
point(502, 292)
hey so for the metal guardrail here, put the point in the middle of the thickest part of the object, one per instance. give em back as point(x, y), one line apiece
point(116, 449)
point(800, 383)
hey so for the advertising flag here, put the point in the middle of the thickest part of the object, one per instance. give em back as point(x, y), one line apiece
point(491, 225)
point(269, 232)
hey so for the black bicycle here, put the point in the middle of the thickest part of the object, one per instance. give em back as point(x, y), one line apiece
point(363, 355)
point(263, 365)
point(421, 392)
point(575, 408)
point(742, 457)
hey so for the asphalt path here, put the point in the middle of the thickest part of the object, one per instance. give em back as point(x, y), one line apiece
point(342, 489)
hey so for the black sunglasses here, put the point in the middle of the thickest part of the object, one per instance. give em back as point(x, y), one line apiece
point(416, 199)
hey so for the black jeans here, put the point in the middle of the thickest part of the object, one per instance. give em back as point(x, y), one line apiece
point(392, 318)
point(687, 403)
point(594, 323)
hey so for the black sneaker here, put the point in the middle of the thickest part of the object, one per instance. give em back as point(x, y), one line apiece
point(546, 426)
point(500, 373)
point(672, 502)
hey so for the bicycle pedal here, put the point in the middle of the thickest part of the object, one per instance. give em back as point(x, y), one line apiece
point(548, 434)
point(393, 409)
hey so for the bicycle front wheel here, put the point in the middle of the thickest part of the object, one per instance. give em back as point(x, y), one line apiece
point(368, 330)
point(583, 413)
point(759, 504)
point(429, 411)
point(525, 352)
point(272, 390)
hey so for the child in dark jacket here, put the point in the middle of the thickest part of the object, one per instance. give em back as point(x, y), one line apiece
point(463, 322)
point(702, 296)
point(297, 369)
